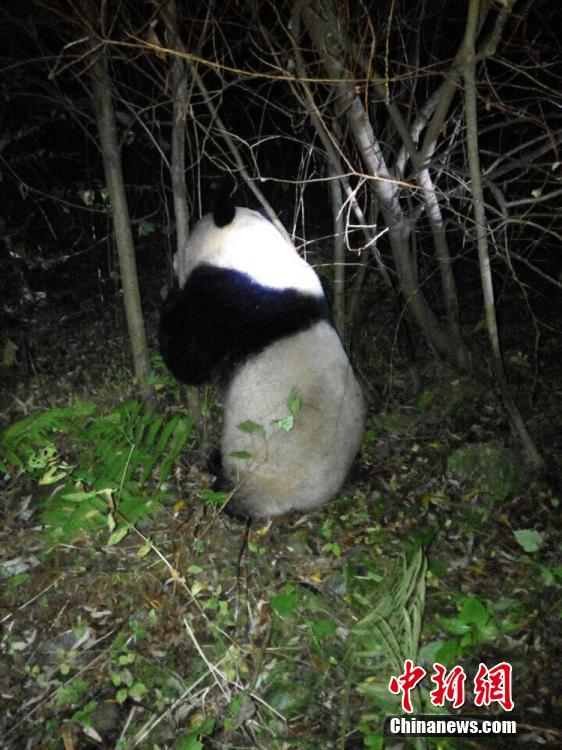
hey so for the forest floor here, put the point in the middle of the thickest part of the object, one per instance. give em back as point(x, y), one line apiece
point(198, 640)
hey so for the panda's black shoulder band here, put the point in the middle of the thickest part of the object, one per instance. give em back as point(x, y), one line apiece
point(222, 316)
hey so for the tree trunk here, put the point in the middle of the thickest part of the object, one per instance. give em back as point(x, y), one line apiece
point(107, 130)
point(320, 20)
point(180, 103)
point(511, 407)
point(339, 255)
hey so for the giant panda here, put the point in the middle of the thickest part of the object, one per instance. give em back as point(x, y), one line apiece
point(250, 314)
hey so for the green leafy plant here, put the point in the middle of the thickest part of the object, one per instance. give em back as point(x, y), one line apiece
point(160, 378)
point(191, 740)
point(475, 623)
point(22, 442)
point(294, 408)
point(389, 634)
point(530, 540)
point(101, 464)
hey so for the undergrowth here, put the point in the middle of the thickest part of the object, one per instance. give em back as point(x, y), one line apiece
point(181, 642)
point(106, 469)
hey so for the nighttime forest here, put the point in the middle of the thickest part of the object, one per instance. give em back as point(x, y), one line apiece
point(269, 480)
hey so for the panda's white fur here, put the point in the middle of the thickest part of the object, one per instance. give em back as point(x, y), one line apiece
point(250, 244)
point(306, 466)
point(252, 313)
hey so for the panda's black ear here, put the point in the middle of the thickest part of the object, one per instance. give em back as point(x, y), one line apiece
point(223, 203)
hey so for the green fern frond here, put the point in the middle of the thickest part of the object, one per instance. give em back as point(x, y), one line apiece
point(19, 441)
point(397, 615)
point(109, 461)
point(129, 444)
